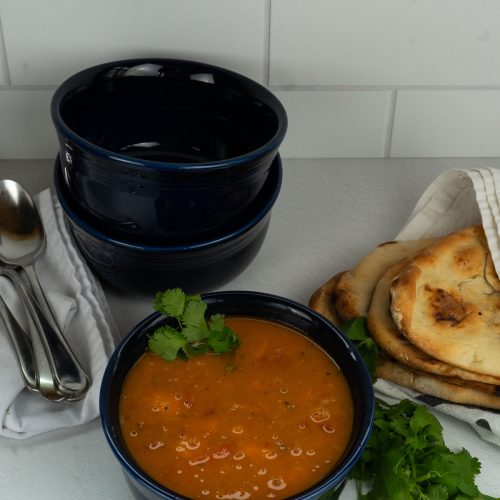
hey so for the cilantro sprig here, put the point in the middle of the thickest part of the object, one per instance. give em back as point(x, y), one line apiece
point(406, 457)
point(193, 334)
point(357, 330)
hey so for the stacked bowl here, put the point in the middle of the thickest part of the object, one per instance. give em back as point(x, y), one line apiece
point(167, 170)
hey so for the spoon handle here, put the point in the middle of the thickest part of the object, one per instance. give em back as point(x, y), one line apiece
point(69, 374)
point(22, 346)
point(46, 385)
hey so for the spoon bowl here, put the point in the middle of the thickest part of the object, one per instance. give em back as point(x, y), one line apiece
point(20, 226)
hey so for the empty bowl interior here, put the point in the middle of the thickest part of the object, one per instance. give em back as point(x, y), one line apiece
point(169, 111)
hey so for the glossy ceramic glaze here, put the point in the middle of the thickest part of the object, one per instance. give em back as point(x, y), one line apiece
point(145, 269)
point(258, 305)
point(145, 143)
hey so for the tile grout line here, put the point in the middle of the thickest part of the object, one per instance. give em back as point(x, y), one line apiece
point(3, 57)
point(267, 43)
point(357, 88)
point(390, 123)
point(27, 87)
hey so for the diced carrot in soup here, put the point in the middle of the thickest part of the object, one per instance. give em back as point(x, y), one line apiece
point(267, 420)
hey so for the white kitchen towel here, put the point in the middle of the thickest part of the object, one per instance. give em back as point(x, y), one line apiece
point(84, 317)
point(456, 199)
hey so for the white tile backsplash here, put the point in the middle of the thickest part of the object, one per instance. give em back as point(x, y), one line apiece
point(341, 124)
point(358, 78)
point(387, 42)
point(447, 123)
point(25, 125)
point(47, 41)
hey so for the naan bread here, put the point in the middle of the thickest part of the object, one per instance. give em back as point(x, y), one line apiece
point(446, 301)
point(353, 292)
point(321, 300)
point(469, 393)
point(385, 333)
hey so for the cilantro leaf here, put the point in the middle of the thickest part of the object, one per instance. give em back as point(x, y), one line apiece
point(166, 342)
point(357, 331)
point(216, 322)
point(438, 492)
point(193, 320)
point(194, 335)
point(223, 340)
point(171, 302)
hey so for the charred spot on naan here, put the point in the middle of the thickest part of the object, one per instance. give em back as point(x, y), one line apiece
point(448, 306)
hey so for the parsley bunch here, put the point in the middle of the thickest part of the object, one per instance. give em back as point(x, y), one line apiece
point(406, 457)
point(193, 335)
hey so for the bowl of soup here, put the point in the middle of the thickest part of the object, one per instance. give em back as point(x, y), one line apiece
point(287, 414)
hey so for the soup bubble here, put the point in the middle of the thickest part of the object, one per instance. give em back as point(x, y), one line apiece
point(191, 444)
point(237, 495)
point(320, 415)
point(155, 446)
point(276, 483)
point(221, 454)
point(328, 428)
point(239, 456)
point(198, 461)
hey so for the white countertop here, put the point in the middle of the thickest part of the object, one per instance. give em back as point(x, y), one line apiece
point(328, 215)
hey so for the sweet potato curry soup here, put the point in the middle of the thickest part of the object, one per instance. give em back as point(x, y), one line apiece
point(267, 420)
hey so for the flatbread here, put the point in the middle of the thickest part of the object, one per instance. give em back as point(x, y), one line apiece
point(446, 301)
point(433, 385)
point(387, 336)
point(353, 292)
point(321, 300)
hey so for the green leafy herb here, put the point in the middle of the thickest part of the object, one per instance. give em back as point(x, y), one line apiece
point(194, 334)
point(357, 331)
point(406, 457)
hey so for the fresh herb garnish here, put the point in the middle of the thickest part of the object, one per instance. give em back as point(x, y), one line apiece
point(357, 330)
point(406, 457)
point(194, 334)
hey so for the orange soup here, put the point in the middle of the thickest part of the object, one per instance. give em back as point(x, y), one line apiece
point(267, 420)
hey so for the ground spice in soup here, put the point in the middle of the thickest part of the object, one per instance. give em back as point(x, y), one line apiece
point(267, 420)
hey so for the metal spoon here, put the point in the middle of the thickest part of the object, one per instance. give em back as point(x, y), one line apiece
point(22, 346)
point(45, 383)
point(22, 239)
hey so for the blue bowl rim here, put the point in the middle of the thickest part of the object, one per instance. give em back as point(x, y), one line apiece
point(328, 483)
point(202, 245)
point(268, 147)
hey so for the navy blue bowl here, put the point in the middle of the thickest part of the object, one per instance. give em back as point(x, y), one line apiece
point(144, 269)
point(163, 149)
point(258, 305)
